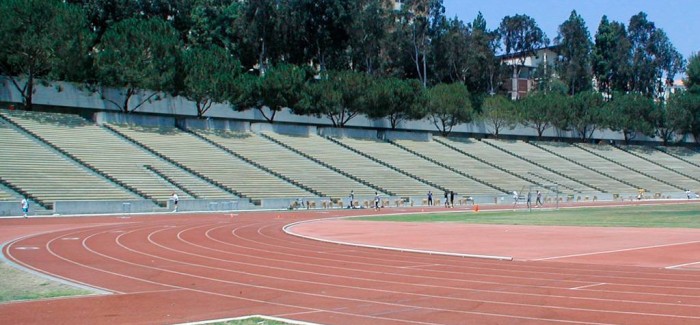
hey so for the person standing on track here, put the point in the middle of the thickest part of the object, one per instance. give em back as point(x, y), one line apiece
point(376, 201)
point(25, 207)
point(175, 199)
point(539, 202)
point(430, 198)
point(515, 199)
point(529, 199)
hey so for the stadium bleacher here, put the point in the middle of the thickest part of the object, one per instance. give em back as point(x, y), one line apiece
point(464, 163)
point(294, 166)
point(116, 157)
point(623, 166)
point(354, 164)
point(208, 160)
point(47, 175)
point(55, 156)
point(661, 165)
point(419, 167)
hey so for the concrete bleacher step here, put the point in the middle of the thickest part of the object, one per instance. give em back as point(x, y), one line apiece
point(329, 166)
point(450, 168)
point(647, 186)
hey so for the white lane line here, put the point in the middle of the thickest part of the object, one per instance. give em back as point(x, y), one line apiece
point(589, 286)
point(417, 266)
point(615, 251)
point(682, 265)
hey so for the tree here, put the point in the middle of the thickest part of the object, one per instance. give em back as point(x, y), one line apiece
point(338, 95)
point(258, 27)
point(420, 21)
point(521, 37)
point(672, 117)
point(692, 80)
point(138, 57)
point(322, 31)
point(587, 113)
point(451, 52)
point(449, 105)
point(538, 110)
point(396, 99)
point(368, 34)
point(654, 59)
point(209, 72)
point(484, 68)
point(214, 23)
point(34, 34)
point(574, 47)
point(612, 57)
point(632, 114)
point(281, 87)
point(499, 112)
point(684, 113)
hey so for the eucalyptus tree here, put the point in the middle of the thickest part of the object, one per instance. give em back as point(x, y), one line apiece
point(137, 58)
point(259, 32)
point(499, 112)
point(418, 23)
point(208, 74)
point(449, 63)
point(35, 35)
point(369, 34)
point(612, 56)
point(484, 68)
point(320, 31)
point(521, 37)
point(685, 107)
point(574, 47)
point(654, 58)
point(448, 105)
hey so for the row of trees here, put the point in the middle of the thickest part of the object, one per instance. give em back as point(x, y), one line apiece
point(338, 59)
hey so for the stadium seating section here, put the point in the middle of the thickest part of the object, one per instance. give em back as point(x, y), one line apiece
point(50, 157)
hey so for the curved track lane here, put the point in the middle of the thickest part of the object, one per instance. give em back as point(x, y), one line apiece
point(173, 269)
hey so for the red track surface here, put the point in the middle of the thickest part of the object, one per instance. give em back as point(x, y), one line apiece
point(181, 268)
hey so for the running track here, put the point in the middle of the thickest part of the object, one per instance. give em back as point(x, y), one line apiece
point(184, 268)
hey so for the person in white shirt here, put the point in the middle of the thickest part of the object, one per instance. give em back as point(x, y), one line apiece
point(175, 199)
point(25, 207)
point(515, 198)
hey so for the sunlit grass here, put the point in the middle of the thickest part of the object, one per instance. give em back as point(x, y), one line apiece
point(656, 216)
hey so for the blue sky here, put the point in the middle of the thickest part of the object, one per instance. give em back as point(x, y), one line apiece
point(678, 18)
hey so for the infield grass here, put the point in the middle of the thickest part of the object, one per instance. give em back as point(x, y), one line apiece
point(649, 216)
point(18, 285)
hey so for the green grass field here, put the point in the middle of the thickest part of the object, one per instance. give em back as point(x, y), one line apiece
point(652, 216)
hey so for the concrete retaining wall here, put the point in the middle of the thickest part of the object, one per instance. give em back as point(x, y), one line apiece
point(211, 205)
point(104, 207)
point(10, 208)
point(134, 119)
